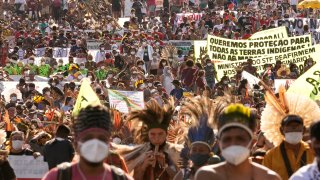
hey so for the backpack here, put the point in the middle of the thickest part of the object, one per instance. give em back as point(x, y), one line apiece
point(57, 3)
point(65, 172)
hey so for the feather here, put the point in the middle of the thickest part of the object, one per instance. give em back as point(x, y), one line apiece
point(296, 104)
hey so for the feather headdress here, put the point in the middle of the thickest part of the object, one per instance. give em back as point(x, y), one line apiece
point(152, 116)
point(200, 110)
point(287, 104)
point(169, 51)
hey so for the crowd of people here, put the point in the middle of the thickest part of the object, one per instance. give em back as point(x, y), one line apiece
point(195, 125)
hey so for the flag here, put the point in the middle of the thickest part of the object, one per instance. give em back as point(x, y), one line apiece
point(85, 97)
point(6, 119)
point(308, 84)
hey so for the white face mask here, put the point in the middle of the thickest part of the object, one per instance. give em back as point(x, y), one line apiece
point(133, 53)
point(13, 98)
point(94, 150)
point(81, 67)
point(17, 144)
point(144, 43)
point(149, 84)
point(235, 154)
point(209, 64)
point(293, 137)
point(79, 77)
point(89, 77)
point(164, 64)
point(102, 67)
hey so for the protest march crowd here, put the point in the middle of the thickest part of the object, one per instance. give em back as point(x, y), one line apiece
point(159, 89)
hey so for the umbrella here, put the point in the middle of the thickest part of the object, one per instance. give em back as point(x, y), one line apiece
point(313, 4)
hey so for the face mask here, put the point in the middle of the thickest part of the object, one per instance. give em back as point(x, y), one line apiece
point(293, 137)
point(17, 144)
point(102, 67)
point(53, 84)
point(150, 84)
point(89, 77)
point(7, 64)
point(179, 33)
point(26, 78)
point(164, 64)
point(144, 43)
point(94, 150)
point(142, 86)
point(43, 63)
point(141, 66)
point(209, 64)
point(79, 77)
point(157, 43)
point(235, 154)
point(81, 67)
point(14, 98)
point(199, 159)
point(157, 50)
point(102, 49)
point(132, 53)
point(31, 62)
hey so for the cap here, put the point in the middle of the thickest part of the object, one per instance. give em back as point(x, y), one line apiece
point(291, 118)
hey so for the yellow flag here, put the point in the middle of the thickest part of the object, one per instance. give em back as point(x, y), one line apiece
point(85, 97)
point(308, 84)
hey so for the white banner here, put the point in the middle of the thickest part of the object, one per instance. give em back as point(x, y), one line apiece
point(126, 101)
point(28, 166)
point(190, 16)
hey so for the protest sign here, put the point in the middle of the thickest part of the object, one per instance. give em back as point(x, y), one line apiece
point(126, 101)
point(60, 52)
point(274, 33)
point(297, 57)
point(93, 44)
point(184, 46)
point(308, 84)
point(282, 82)
point(39, 52)
point(159, 4)
point(200, 47)
point(28, 166)
point(191, 17)
point(234, 50)
point(296, 25)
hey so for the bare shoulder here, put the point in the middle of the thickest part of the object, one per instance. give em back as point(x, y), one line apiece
point(210, 172)
point(265, 173)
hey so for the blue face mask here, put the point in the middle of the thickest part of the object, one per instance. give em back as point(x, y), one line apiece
point(199, 159)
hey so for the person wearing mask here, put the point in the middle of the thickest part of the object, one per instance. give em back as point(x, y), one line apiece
point(167, 78)
point(44, 69)
point(59, 149)
point(101, 73)
point(92, 130)
point(90, 65)
point(16, 145)
point(187, 75)
point(210, 73)
point(200, 140)
point(311, 171)
point(145, 53)
point(292, 153)
point(83, 70)
point(101, 54)
point(284, 126)
point(236, 124)
point(177, 92)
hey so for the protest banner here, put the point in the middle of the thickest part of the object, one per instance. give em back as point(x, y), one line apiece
point(184, 46)
point(200, 47)
point(191, 17)
point(234, 50)
point(282, 82)
point(297, 57)
point(28, 166)
point(60, 52)
point(126, 101)
point(39, 52)
point(296, 25)
point(274, 33)
point(93, 44)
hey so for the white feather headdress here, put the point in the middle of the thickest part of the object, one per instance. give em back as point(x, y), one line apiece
point(287, 104)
